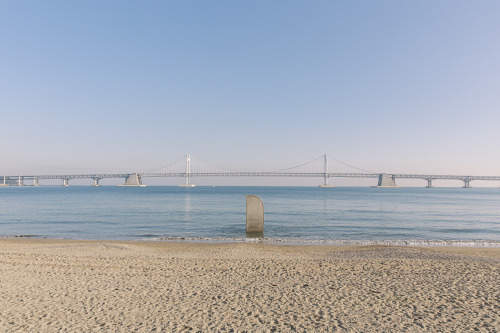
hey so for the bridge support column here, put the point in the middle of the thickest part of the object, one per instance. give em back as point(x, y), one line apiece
point(20, 181)
point(466, 183)
point(188, 182)
point(96, 181)
point(429, 183)
point(35, 181)
point(8, 181)
point(384, 180)
point(188, 173)
point(325, 183)
point(134, 179)
point(325, 174)
point(65, 181)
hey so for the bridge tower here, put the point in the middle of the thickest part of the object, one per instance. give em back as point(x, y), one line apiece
point(466, 181)
point(325, 173)
point(188, 173)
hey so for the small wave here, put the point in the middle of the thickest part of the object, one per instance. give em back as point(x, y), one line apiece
point(197, 239)
point(333, 242)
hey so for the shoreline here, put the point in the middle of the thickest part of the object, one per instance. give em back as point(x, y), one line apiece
point(304, 248)
point(288, 242)
point(121, 286)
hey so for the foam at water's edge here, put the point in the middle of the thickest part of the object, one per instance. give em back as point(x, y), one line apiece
point(21, 236)
point(457, 243)
point(291, 241)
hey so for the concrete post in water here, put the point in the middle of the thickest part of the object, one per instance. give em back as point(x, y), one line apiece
point(96, 181)
point(384, 180)
point(134, 179)
point(255, 216)
point(429, 183)
point(65, 181)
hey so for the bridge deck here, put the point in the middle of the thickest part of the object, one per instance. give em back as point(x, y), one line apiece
point(188, 169)
point(252, 174)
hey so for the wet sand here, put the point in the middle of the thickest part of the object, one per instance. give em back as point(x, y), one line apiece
point(94, 286)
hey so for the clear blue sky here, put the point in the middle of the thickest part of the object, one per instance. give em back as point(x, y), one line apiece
point(393, 86)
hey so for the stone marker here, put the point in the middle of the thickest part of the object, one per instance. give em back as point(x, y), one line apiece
point(255, 216)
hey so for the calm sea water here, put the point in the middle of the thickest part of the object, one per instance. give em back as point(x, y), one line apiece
point(349, 215)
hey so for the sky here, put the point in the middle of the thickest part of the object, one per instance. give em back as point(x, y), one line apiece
point(120, 86)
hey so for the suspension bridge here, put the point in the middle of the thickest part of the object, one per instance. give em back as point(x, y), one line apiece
point(188, 168)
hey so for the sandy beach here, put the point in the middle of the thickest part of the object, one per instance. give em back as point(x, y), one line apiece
point(94, 286)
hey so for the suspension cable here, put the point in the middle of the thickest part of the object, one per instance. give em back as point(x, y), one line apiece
point(297, 166)
point(159, 170)
point(350, 166)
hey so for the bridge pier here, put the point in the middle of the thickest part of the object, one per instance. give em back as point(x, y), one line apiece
point(325, 174)
point(429, 183)
point(188, 182)
point(96, 181)
point(134, 179)
point(65, 182)
point(11, 181)
point(35, 181)
point(325, 184)
point(384, 180)
point(188, 173)
point(466, 183)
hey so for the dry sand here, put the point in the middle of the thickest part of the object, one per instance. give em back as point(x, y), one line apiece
point(94, 286)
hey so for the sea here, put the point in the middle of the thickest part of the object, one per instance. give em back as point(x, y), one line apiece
point(293, 215)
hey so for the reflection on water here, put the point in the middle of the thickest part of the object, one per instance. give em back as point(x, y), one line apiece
point(255, 235)
point(301, 214)
point(187, 206)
